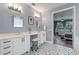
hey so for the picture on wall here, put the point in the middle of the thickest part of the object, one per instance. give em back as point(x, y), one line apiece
point(30, 20)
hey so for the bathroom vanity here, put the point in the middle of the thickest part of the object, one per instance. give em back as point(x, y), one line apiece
point(19, 43)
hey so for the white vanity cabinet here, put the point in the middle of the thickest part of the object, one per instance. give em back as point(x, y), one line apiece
point(15, 46)
point(42, 38)
point(21, 45)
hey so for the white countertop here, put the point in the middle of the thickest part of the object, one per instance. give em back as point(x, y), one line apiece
point(18, 34)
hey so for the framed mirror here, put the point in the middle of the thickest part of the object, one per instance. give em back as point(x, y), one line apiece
point(18, 21)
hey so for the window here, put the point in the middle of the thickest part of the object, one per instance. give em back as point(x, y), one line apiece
point(18, 21)
point(60, 25)
point(68, 25)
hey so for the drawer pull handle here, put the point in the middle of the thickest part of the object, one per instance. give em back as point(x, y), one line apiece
point(7, 47)
point(6, 41)
point(6, 53)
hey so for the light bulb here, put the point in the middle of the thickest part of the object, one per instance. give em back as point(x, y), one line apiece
point(15, 7)
point(19, 9)
point(37, 15)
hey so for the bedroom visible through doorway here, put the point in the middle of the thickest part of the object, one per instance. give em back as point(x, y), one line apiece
point(63, 28)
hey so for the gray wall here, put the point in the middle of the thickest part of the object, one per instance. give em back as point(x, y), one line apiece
point(6, 18)
point(46, 21)
point(66, 15)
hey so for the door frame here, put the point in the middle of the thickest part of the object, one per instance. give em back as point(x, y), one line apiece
point(74, 23)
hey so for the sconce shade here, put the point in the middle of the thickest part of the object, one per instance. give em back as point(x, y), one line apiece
point(15, 8)
point(10, 6)
point(19, 9)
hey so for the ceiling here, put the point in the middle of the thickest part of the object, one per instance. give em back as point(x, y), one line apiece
point(41, 7)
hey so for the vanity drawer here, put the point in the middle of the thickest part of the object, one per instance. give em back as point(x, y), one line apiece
point(6, 47)
point(6, 42)
point(6, 50)
point(7, 53)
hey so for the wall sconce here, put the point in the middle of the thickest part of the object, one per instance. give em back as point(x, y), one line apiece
point(10, 6)
point(37, 15)
point(14, 7)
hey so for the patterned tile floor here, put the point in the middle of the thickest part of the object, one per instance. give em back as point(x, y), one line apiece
point(50, 49)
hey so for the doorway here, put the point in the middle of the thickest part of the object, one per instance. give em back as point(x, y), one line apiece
point(64, 27)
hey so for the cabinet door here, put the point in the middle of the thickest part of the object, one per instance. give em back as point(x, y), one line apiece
point(25, 42)
point(17, 46)
point(27, 45)
point(21, 45)
point(43, 37)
